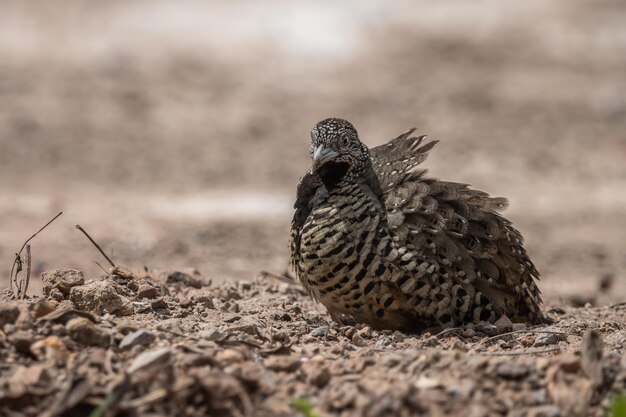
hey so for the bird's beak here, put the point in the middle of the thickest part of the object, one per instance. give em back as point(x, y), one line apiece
point(321, 155)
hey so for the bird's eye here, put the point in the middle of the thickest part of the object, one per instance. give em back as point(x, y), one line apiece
point(344, 141)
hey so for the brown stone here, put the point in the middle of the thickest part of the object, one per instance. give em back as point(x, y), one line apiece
point(282, 363)
point(61, 279)
point(85, 332)
point(147, 291)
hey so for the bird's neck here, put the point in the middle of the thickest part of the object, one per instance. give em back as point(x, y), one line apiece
point(335, 175)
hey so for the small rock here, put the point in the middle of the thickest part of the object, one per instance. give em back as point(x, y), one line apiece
point(51, 348)
point(282, 363)
point(127, 308)
point(512, 370)
point(358, 340)
point(248, 328)
point(486, 328)
point(468, 333)
point(425, 383)
point(382, 343)
point(398, 336)
point(85, 332)
point(56, 295)
point(154, 357)
point(41, 308)
point(231, 293)
point(62, 279)
point(539, 396)
point(22, 340)
point(123, 272)
point(545, 411)
point(98, 297)
point(321, 331)
point(228, 356)
point(280, 336)
point(147, 291)
point(197, 297)
point(503, 324)
point(547, 339)
point(158, 304)
point(211, 334)
point(184, 279)
point(137, 338)
point(516, 327)
point(365, 333)
point(25, 379)
point(318, 375)
point(8, 313)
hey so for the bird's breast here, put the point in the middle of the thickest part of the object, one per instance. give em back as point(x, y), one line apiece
point(339, 241)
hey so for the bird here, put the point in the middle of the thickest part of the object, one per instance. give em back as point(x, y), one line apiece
point(376, 240)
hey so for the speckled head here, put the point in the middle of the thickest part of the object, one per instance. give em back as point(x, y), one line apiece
point(336, 149)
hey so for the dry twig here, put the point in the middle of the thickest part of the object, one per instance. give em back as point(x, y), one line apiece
point(16, 268)
point(521, 352)
point(28, 269)
point(95, 244)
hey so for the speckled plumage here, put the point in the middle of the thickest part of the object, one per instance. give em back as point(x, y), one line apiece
point(374, 238)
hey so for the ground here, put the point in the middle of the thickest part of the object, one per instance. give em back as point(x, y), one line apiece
point(175, 135)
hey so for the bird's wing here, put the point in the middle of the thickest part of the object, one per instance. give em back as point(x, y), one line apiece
point(456, 226)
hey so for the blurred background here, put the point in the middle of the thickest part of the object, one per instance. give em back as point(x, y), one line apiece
point(176, 132)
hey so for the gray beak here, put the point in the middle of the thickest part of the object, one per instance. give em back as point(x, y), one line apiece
point(321, 155)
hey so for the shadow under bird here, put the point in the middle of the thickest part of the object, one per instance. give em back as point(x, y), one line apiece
point(374, 238)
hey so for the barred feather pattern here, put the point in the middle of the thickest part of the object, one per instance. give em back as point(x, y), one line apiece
point(391, 247)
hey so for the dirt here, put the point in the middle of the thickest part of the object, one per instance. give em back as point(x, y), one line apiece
point(152, 344)
point(176, 134)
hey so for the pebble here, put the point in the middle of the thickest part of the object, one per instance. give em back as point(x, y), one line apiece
point(228, 356)
point(358, 340)
point(197, 297)
point(282, 363)
point(22, 339)
point(518, 326)
point(547, 339)
point(158, 304)
point(98, 297)
point(147, 291)
point(365, 333)
point(150, 358)
point(503, 324)
point(84, 331)
point(51, 348)
point(382, 343)
point(210, 334)
point(41, 308)
point(62, 279)
point(321, 331)
point(545, 411)
point(318, 375)
point(248, 328)
point(512, 370)
point(8, 314)
point(137, 338)
point(486, 328)
point(184, 279)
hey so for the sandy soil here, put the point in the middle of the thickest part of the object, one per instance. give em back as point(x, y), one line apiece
point(176, 133)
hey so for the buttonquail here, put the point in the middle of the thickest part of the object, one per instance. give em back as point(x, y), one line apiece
point(374, 238)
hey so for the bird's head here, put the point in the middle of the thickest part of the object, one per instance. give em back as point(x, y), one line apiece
point(337, 151)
